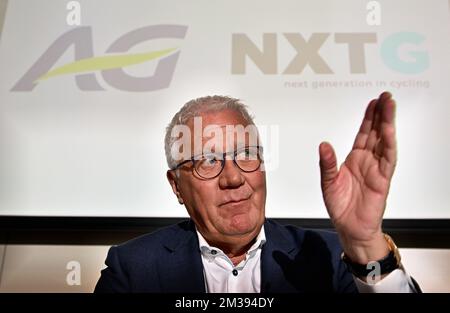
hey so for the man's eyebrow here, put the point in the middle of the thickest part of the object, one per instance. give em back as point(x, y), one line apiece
point(207, 154)
point(220, 153)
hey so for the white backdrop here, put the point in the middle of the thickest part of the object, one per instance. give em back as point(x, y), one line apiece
point(69, 151)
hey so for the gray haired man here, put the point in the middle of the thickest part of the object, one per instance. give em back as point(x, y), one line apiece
point(216, 170)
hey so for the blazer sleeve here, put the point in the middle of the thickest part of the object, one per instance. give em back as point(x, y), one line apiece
point(113, 278)
point(345, 281)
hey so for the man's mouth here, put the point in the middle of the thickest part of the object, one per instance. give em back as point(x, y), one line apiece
point(235, 202)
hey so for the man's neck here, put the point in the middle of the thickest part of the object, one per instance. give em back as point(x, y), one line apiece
point(237, 253)
point(235, 247)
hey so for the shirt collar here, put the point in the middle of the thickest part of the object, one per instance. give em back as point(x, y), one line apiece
point(210, 251)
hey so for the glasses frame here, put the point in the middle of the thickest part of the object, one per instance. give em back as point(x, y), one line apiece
point(195, 159)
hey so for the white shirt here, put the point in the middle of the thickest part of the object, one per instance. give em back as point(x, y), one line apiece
point(221, 276)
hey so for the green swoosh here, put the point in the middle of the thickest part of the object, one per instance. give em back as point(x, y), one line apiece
point(105, 63)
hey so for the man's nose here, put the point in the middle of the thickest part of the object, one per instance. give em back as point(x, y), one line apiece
point(231, 176)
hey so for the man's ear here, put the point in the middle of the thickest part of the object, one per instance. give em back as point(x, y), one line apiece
point(173, 181)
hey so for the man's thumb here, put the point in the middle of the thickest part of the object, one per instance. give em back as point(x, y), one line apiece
point(328, 164)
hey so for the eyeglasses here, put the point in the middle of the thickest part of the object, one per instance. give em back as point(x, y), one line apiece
point(209, 166)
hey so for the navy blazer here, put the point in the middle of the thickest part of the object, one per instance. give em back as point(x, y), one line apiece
point(169, 260)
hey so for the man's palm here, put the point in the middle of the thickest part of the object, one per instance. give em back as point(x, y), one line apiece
point(355, 195)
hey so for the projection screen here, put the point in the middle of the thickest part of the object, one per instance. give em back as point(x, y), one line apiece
point(84, 103)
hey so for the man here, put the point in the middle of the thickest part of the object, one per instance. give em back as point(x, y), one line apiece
point(229, 246)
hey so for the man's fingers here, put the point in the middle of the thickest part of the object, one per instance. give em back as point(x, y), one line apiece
point(366, 126)
point(375, 131)
point(389, 154)
point(328, 164)
point(388, 112)
point(385, 147)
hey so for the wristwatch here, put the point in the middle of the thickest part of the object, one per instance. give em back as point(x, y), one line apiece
point(387, 264)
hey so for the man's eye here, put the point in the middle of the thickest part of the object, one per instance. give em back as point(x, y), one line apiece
point(211, 161)
point(246, 154)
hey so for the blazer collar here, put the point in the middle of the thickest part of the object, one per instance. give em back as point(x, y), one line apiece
point(278, 245)
point(183, 234)
point(183, 268)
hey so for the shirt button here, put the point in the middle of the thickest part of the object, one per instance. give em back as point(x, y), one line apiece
point(213, 252)
point(235, 272)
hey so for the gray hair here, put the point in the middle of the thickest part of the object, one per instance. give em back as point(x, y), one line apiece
point(195, 108)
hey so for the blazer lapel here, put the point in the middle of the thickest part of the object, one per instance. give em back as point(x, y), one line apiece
point(276, 251)
point(182, 266)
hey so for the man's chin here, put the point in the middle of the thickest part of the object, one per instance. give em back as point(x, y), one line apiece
point(242, 225)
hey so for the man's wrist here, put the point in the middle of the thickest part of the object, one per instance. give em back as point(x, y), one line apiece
point(363, 252)
point(382, 266)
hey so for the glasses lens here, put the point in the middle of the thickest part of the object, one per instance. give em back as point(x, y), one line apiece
point(208, 166)
point(248, 159)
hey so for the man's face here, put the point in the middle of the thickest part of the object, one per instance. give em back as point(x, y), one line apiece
point(231, 205)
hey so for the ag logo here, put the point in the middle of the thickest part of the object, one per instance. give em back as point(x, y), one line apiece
point(110, 66)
